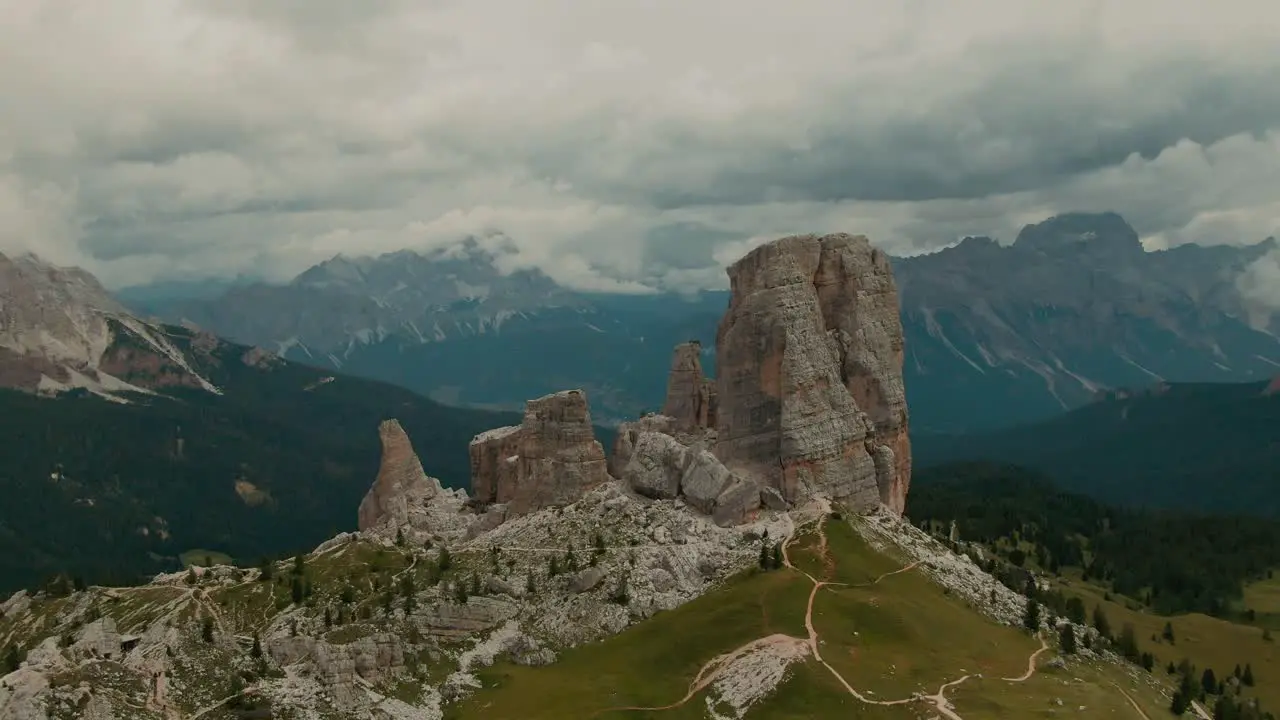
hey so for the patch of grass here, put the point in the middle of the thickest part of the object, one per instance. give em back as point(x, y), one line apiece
point(349, 633)
point(1263, 597)
point(205, 558)
point(890, 640)
point(1206, 641)
point(649, 664)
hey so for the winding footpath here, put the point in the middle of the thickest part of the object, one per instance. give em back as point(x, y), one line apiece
point(717, 666)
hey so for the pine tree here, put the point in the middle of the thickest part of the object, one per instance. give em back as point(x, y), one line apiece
point(553, 566)
point(1180, 703)
point(764, 556)
point(1129, 642)
point(1067, 639)
point(267, 569)
point(299, 564)
point(622, 593)
point(530, 585)
point(460, 592)
point(475, 584)
point(446, 560)
point(1209, 682)
point(256, 650)
point(1075, 610)
point(399, 537)
point(1247, 677)
point(1148, 661)
point(570, 561)
point(328, 618)
point(1100, 622)
point(1031, 617)
point(12, 659)
point(778, 559)
point(1168, 633)
point(295, 591)
point(191, 575)
point(206, 629)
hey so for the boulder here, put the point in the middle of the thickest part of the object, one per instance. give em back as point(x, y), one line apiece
point(656, 465)
point(629, 434)
point(587, 580)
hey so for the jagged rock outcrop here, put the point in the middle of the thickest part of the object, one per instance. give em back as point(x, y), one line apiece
point(809, 396)
point(404, 497)
point(495, 468)
point(809, 365)
point(691, 396)
point(661, 467)
point(371, 658)
point(550, 459)
point(401, 482)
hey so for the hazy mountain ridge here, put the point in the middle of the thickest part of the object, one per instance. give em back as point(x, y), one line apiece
point(1202, 447)
point(996, 335)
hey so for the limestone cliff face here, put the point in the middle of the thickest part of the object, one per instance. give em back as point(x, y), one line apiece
point(495, 468)
point(550, 459)
point(401, 485)
point(809, 362)
point(691, 397)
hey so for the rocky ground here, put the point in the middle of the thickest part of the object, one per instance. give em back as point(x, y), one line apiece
point(189, 641)
point(195, 644)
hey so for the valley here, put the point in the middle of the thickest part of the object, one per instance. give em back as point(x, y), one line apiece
point(726, 557)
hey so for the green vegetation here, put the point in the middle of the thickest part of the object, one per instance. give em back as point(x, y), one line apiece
point(1141, 576)
point(1169, 562)
point(890, 639)
point(112, 492)
point(205, 558)
point(1194, 447)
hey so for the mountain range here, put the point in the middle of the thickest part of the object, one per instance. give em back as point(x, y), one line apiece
point(996, 335)
point(1202, 447)
point(127, 443)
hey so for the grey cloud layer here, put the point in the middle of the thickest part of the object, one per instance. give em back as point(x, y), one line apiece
point(620, 142)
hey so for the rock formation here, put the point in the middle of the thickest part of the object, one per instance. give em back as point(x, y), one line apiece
point(809, 363)
point(404, 497)
point(691, 397)
point(809, 396)
point(550, 459)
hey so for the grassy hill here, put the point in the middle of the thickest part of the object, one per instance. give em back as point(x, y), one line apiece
point(1212, 580)
point(894, 636)
point(108, 491)
point(1202, 447)
point(891, 642)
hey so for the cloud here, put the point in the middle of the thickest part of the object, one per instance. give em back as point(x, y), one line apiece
point(1260, 285)
point(624, 143)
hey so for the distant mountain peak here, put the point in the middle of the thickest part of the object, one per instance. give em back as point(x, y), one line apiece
point(1077, 231)
point(60, 329)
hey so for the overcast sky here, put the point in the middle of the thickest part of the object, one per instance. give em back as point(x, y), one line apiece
point(617, 141)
